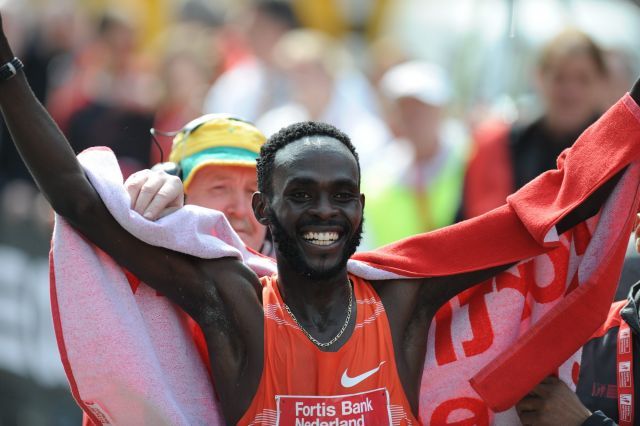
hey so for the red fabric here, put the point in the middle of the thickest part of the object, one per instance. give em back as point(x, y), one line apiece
point(613, 319)
point(134, 281)
point(515, 232)
point(200, 342)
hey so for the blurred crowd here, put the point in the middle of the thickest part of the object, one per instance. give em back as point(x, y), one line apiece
point(451, 108)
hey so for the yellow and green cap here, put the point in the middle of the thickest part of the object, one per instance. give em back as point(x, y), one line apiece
point(215, 139)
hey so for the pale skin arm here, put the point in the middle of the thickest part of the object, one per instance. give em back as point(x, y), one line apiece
point(222, 295)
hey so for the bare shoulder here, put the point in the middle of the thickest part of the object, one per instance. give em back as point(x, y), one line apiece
point(400, 298)
point(428, 294)
point(232, 282)
point(403, 293)
point(393, 291)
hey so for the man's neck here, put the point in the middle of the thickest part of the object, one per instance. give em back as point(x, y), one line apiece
point(313, 301)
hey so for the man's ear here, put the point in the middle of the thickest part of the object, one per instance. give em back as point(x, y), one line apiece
point(260, 205)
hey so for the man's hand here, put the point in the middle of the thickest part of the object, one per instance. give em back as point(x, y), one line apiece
point(154, 194)
point(552, 402)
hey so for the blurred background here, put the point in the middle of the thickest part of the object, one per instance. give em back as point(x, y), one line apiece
point(451, 104)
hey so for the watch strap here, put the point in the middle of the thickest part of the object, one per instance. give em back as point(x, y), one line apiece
point(10, 69)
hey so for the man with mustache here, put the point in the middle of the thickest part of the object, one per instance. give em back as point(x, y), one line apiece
point(282, 336)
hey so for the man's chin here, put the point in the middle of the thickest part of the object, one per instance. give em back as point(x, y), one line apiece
point(325, 273)
point(323, 266)
point(246, 238)
point(318, 263)
point(249, 240)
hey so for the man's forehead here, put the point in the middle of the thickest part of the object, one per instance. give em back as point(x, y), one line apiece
point(311, 146)
point(320, 156)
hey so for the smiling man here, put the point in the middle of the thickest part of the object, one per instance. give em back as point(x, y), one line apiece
point(313, 342)
point(314, 311)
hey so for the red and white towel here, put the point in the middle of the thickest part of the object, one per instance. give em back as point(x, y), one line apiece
point(130, 356)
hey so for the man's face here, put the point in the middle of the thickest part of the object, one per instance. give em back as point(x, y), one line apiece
point(571, 88)
point(316, 206)
point(229, 189)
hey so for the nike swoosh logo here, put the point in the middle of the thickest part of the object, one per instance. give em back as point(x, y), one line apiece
point(348, 382)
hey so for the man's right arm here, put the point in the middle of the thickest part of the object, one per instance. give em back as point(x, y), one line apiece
point(222, 295)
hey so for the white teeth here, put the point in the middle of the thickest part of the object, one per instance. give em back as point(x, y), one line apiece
point(320, 242)
point(321, 238)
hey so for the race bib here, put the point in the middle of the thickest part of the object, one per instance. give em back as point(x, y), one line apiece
point(366, 408)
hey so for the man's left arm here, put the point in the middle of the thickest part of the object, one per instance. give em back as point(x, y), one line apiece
point(524, 226)
point(439, 290)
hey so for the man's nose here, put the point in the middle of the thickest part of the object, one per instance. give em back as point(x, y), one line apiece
point(239, 203)
point(323, 207)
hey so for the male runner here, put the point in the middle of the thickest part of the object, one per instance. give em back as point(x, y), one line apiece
point(309, 181)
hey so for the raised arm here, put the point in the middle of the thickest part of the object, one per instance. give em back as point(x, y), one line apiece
point(473, 251)
point(222, 295)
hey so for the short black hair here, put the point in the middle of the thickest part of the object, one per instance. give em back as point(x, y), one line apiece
point(290, 134)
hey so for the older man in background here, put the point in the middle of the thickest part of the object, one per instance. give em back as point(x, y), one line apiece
point(215, 158)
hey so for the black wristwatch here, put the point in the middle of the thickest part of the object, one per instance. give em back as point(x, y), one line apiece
point(10, 69)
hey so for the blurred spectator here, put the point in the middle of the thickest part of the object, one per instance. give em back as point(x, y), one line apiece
point(255, 85)
point(326, 88)
point(417, 184)
point(189, 62)
point(110, 95)
point(42, 47)
point(571, 76)
point(106, 70)
point(384, 53)
point(126, 132)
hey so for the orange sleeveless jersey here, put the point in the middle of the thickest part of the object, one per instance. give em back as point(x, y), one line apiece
point(303, 386)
